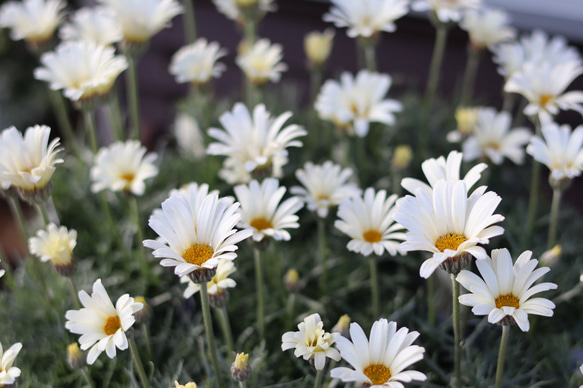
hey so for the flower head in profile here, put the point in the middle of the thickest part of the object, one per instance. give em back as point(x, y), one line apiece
point(96, 24)
point(436, 170)
point(324, 186)
point(255, 145)
point(263, 214)
point(381, 360)
point(504, 292)
point(234, 10)
point(318, 46)
point(195, 233)
point(561, 150)
point(355, 102)
point(487, 27)
point(262, 62)
point(27, 162)
point(123, 166)
point(241, 369)
point(368, 220)
point(189, 137)
point(366, 18)
point(197, 62)
point(446, 10)
point(34, 21)
point(101, 324)
point(449, 224)
point(55, 244)
point(9, 373)
point(217, 286)
point(311, 342)
point(85, 71)
point(493, 139)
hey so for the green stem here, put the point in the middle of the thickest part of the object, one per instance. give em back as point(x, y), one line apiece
point(470, 75)
point(431, 300)
point(250, 31)
point(86, 376)
point(501, 353)
point(133, 102)
point(456, 331)
point(374, 287)
point(148, 340)
point(226, 327)
point(115, 117)
point(138, 363)
point(206, 314)
point(90, 127)
point(508, 102)
point(74, 292)
point(533, 198)
point(42, 209)
point(259, 286)
point(135, 210)
point(370, 56)
point(112, 226)
point(60, 107)
point(189, 22)
point(323, 256)
point(290, 308)
point(242, 384)
point(318, 381)
point(557, 193)
point(17, 213)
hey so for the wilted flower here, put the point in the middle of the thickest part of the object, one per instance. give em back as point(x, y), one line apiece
point(9, 373)
point(34, 21)
point(55, 244)
point(487, 27)
point(262, 62)
point(318, 46)
point(446, 10)
point(97, 24)
point(197, 62)
point(240, 369)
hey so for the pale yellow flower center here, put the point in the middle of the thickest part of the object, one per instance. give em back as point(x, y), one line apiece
point(129, 178)
point(112, 324)
point(372, 236)
point(261, 223)
point(198, 254)
point(449, 241)
point(508, 300)
point(377, 373)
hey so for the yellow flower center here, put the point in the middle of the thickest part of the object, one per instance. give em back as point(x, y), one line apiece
point(112, 325)
point(377, 373)
point(507, 300)
point(544, 99)
point(261, 223)
point(372, 236)
point(449, 241)
point(197, 254)
point(129, 178)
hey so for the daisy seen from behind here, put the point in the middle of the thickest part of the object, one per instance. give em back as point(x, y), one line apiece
point(101, 324)
point(446, 10)
point(324, 186)
point(449, 224)
point(232, 10)
point(197, 62)
point(487, 27)
point(263, 214)
point(55, 244)
point(262, 62)
point(34, 21)
point(9, 373)
point(382, 359)
point(96, 24)
point(504, 291)
point(311, 342)
point(217, 286)
point(123, 166)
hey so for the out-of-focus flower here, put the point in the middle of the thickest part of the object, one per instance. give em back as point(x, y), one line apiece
point(381, 360)
point(55, 244)
point(342, 326)
point(75, 357)
point(369, 222)
point(291, 279)
point(449, 224)
point(255, 145)
point(232, 9)
point(217, 286)
point(262, 62)
point(123, 166)
point(311, 342)
point(551, 256)
point(197, 62)
point(85, 71)
point(324, 186)
point(318, 46)
point(466, 118)
point(9, 373)
point(366, 18)
point(101, 325)
point(187, 385)
point(34, 21)
point(487, 27)
point(355, 102)
point(240, 369)
point(262, 213)
point(402, 157)
point(189, 137)
point(28, 162)
point(446, 10)
point(493, 139)
point(504, 293)
point(97, 24)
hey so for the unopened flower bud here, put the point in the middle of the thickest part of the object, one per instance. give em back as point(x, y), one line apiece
point(342, 325)
point(550, 257)
point(402, 157)
point(145, 313)
point(75, 357)
point(240, 370)
point(291, 279)
point(466, 120)
point(187, 385)
point(318, 46)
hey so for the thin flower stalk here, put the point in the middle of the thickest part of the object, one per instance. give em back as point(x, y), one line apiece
point(206, 314)
point(133, 99)
point(189, 21)
point(534, 184)
point(431, 300)
point(90, 127)
point(135, 214)
point(115, 117)
point(138, 363)
point(318, 380)
point(259, 287)
point(62, 115)
point(456, 331)
point(470, 75)
point(223, 317)
point(501, 354)
point(556, 203)
point(322, 245)
point(374, 286)
point(368, 47)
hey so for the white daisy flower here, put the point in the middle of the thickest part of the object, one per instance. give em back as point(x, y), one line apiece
point(561, 151)
point(34, 21)
point(189, 137)
point(28, 162)
point(318, 46)
point(256, 145)
point(231, 10)
point(217, 286)
point(122, 166)
point(446, 10)
point(194, 237)
point(262, 213)
point(366, 18)
point(262, 62)
point(195, 193)
point(142, 19)
point(493, 139)
point(355, 102)
point(544, 85)
point(96, 24)
point(369, 222)
point(324, 186)
point(487, 27)
point(55, 244)
point(449, 224)
point(440, 169)
point(101, 325)
point(311, 342)
point(504, 293)
point(381, 360)
point(9, 373)
point(83, 70)
point(197, 62)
